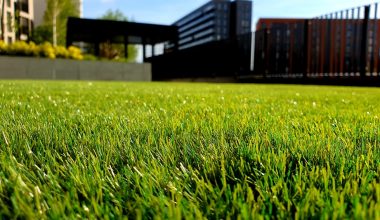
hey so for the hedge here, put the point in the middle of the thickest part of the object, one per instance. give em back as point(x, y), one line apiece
point(22, 48)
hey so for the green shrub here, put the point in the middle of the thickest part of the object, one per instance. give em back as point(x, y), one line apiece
point(89, 57)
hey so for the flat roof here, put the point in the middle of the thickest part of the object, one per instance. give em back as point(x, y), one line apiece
point(95, 31)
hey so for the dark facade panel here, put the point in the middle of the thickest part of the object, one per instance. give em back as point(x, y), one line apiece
point(214, 21)
point(225, 58)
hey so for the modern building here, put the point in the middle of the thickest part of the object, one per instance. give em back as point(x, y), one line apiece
point(8, 15)
point(25, 19)
point(216, 20)
point(212, 41)
point(17, 20)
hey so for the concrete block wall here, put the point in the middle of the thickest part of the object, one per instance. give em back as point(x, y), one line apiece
point(62, 69)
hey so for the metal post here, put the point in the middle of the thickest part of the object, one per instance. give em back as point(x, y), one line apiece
point(152, 50)
point(144, 50)
point(97, 48)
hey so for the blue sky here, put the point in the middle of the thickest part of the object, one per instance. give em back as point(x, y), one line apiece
point(168, 11)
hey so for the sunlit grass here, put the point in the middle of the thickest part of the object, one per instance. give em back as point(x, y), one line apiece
point(172, 151)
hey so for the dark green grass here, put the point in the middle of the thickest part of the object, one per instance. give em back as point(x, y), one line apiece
point(188, 151)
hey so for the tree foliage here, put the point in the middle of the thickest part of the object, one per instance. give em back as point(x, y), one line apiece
point(41, 34)
point(115, 15)
point(116, 51)
point(56, 15)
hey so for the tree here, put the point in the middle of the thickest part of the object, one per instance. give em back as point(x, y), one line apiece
point(116, 51)
point(56, 15)
point(42, 34)
point(116, 15)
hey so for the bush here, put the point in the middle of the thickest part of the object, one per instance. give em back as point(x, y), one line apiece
point(89, 57)
point(19, 48)
point(22, 48)
point(61, 52)
point(75, 53)
point(3, 47)
point(47, 50)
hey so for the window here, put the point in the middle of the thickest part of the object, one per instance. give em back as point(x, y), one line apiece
point(9, 21)
point(9, 3)
point(24, 25)
point(24, 5)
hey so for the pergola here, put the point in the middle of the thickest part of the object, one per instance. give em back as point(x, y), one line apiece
point(97, 31)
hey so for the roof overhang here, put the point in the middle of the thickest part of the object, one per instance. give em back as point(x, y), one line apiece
point(95, 31)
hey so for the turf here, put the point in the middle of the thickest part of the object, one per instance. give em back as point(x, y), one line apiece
point(188, 151)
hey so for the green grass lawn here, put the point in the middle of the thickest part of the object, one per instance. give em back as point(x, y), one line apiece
point(188, 151)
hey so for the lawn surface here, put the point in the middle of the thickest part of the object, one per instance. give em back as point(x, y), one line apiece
point(172, 151)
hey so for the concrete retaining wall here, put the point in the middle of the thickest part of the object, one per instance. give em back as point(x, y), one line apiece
point(61, 69)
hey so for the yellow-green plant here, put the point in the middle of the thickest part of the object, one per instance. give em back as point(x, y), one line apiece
point(75, 53)
point(22, 48)
point(47, 50)
point(35, 49)
point(61, 52)
point(3, 47)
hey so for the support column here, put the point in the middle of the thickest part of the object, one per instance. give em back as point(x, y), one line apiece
point(126, 47)
point(97, 48)
point(153, 50)
point(144, 53)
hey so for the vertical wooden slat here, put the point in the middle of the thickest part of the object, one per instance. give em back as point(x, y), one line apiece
point(332, 45)
point(364, 42)
point(290, 58)
point(353, 39)
point(374, 41)
point(318, 46)
point(322, 46)
point(342, 44)
point(346, 68)
point(377, 43)
point(336, 44)
point(306, 49)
